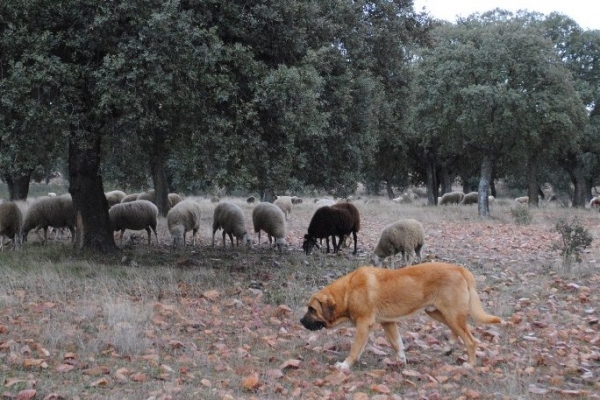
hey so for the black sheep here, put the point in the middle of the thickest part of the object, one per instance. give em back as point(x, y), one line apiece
point(338, 220)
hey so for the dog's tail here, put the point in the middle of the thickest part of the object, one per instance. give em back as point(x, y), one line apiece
point(475, 306)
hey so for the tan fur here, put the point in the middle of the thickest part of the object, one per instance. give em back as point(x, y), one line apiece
point(370, 295)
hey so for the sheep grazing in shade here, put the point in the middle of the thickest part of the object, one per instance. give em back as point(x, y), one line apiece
point(114, 197)
point(230, 218)
point(55, 212)
point(270, 218)
point(522, 200)
point(296, 200)
point(174, 199)
point(404, 236)
point(251, 200)
point(338, 220)
point(150, 195)
point(134, 215)
point(185, 216)
point(11, 224)
point(470, 198)
point(451, 198)
point(130, 197)
point(594, 202)
point(285, 203)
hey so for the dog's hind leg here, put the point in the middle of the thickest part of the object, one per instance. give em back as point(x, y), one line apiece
point(438, 316)
point(395, 340)
point(457, 322)
point(363, 329)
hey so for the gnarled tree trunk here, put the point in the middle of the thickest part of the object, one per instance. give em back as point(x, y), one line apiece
point(85, 185)
point(18, 186)
point(487, 166)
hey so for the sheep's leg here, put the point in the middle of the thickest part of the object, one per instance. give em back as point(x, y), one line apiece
point(45, 235)
point(122, 234)
point(418, 251)
point(231, 239)
point(149, 235)
point(354, 237)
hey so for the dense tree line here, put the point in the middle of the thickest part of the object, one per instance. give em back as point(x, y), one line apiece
point(267, 96)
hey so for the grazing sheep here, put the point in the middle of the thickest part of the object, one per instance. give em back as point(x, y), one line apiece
point(451, 198)
point(270, 218)
point(251, 200)
point(338, 220)
point(324, 202)
point(470, 198)
point(285, 203)
point(491, 199)
point(56, 212)
point(114, 197)
point(402, 236)
point(522, 200)
point(150, 195)
point(51, 194)
point(230, 218)
point(134, 215)
point(296, 200)
point(215, 199)
point(185, 216)
point(130, 197)
point(11, 224)
point(174, 199)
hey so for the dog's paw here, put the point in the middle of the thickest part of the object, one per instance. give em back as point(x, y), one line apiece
point(342, 366)
point(402, 357)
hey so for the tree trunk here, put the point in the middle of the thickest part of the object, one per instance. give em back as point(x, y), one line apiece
point(389, 190)
point(85, 186)
point(532, 183)
point(487, 166)
point(432, 185)
point(445, 180)
point(575, 169)
point(18, 187)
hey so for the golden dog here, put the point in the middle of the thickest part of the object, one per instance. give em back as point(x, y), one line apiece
point(372, 295)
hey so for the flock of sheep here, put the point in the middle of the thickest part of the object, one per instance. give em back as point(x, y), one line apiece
point(335, 221)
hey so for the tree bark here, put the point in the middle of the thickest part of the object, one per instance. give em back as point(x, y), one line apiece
point(18, 187)
point(389, 190)
point(445, 180)
point(432, 185)
point(86, 188)
point(532, 183)
point(158, 167)
point(575, 169)
point(487, 167)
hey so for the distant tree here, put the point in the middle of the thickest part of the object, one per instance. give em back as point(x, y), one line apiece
point(493, 88)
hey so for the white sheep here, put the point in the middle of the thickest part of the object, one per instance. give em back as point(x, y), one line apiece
point(11, 224)
point(56, 212)
point(174, 199)
point(470, 198)
point(134, 215)
point(324, 202)
point(270, 218)
point(451, 198)
point(185, 216)
point(522, 200)
point(285, 203)
point(130, 197)
point(230, 218)
point(114, 197)
point(404, 236)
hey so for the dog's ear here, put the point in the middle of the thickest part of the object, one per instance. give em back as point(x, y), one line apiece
point(328, 308)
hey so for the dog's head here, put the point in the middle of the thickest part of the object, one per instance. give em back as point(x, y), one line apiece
point(320, 312)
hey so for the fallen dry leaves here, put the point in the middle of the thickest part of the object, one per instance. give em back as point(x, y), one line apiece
point(238, 340)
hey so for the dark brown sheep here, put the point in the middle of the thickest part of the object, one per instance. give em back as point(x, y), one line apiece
point(339, 220)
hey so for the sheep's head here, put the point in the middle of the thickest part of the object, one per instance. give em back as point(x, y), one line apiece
point(280, 243)
point(309, 243)
point(247, 240)
point(376, 261)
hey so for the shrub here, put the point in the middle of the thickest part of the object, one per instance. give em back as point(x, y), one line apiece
point(574, 237)
point(521, 214)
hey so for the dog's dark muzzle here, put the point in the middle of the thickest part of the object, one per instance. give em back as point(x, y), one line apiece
point(311, 324)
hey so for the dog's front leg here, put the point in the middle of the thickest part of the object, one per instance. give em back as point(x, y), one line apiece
point(360, 340)
point(395, 340)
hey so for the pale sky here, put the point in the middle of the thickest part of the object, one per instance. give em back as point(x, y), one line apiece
point(585, 12)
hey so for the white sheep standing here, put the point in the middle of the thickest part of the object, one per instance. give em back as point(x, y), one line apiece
point(285, 203)
point(270, 218)
point(55, 212)
point(185, 216)
point(134, 215)
point(404, 236)
point(522, 200)
point(230, 218)
point(130, 197)
point(11, 224)
point(114, 197)
point(451, 198)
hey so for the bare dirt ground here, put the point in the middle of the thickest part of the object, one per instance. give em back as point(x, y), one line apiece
point(214, 323)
